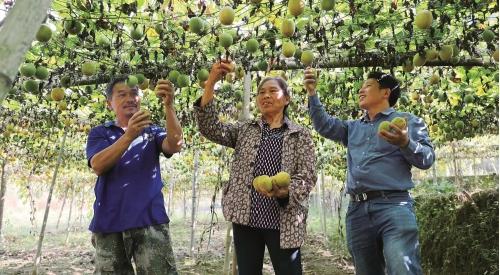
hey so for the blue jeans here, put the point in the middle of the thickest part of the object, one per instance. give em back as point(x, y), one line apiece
point(382, 236)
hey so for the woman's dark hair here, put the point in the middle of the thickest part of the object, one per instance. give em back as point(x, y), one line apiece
point(387, 81)
point(283, 86)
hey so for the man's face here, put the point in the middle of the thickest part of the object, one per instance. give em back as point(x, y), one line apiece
point(125, 101)
point(371, 94)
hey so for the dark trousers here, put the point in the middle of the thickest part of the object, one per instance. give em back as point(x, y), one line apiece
point(249, 245)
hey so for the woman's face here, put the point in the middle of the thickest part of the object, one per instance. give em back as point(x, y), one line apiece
point(271, 99)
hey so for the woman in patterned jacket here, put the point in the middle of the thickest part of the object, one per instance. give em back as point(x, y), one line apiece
point(264, 146)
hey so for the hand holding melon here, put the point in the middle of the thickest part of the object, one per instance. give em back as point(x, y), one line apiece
point(275, 186)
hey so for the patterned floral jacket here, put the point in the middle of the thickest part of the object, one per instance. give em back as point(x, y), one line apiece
point(298, 159)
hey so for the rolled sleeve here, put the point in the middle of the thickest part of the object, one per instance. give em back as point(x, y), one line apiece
point(159, 135)
point(419, 152)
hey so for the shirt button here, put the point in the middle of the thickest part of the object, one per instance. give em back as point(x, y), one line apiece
point(256, 146)
point(357, 181)
point(251, 163)
point(357, 166)
point(364, 153)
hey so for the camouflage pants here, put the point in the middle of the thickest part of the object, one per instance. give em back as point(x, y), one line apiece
point(150, 247)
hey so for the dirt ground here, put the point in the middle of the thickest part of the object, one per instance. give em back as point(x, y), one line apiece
point(76, 257)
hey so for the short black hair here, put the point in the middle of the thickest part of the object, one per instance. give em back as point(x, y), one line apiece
point(112, 83)
point(387, 81)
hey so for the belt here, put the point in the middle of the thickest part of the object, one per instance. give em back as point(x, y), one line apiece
point(374, 194)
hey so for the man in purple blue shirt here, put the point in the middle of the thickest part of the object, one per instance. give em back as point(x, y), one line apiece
point(129, 214)
point(382, 233)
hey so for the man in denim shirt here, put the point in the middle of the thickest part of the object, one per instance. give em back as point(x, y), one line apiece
point(382, 233)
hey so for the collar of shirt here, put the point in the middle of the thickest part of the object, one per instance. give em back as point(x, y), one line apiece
point(110, 123)
point(290, 125)
point(267, 126)
point(385, 112)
